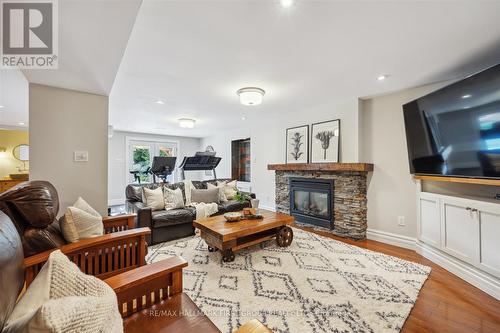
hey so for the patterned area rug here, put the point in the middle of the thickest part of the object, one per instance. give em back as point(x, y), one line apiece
point(314, 285)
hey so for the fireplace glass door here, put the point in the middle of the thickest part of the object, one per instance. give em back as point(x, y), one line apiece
point(311, 203)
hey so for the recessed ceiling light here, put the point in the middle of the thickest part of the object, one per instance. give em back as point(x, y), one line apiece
point(466, 96)
point(382, 77)
point(286, 3)
point(186, 122)
point(1, 106)
point(466, 107)
point(159, 101)
point(21, 123)
point(243, 117)
point(251, 95)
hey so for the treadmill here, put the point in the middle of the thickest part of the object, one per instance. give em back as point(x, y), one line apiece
point(201, 161)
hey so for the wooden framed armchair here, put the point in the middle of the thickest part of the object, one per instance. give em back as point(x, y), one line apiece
point(150, 297)
point(102, 256)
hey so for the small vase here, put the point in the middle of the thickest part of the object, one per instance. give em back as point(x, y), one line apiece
point(254, 203)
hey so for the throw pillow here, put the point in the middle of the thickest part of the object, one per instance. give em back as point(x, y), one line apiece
point(173, 199)
point(229, 189)
point(222, 193)
point(63, 299)
point(81, 221)
point(188, 187)
point(206, 196)
point(154, 198)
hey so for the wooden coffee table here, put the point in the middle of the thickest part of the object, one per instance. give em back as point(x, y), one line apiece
point(233, 236)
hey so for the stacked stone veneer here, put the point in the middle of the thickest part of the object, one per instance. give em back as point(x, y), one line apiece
point(349, 198)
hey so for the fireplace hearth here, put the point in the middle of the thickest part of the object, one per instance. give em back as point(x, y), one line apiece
point(311, 201)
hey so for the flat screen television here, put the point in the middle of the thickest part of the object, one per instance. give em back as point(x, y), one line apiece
point(455, 131)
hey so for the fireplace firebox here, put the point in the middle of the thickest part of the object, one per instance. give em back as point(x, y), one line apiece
point(311, 201)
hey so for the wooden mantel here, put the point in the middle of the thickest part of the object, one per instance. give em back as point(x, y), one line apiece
point(363, 167)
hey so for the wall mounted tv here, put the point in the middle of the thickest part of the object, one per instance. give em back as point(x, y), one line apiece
point(455, 131)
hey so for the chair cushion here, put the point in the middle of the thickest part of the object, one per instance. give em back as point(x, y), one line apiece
point(63, 299)
point(184, 316)
point(166, 218)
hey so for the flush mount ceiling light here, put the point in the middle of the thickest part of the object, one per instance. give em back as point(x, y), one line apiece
point(186, 122)
point(382, 77)
point(286, 3)
point(159, 101)
point(21, 123)
point(466, 96)
point(251, 95)
point(1, 106)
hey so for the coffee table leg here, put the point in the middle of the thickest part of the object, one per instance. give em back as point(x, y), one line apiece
point(212, 249)
point(284, 236)
point(228, 255)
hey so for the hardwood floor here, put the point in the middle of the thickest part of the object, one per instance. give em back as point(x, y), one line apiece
point(446, 303)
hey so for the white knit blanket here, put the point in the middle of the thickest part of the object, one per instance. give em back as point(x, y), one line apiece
point(203, 210)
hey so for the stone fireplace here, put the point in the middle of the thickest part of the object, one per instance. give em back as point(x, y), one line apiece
point(339, 203)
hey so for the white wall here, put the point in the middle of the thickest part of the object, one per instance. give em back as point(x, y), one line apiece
point(222, 145)
point(117, 169)
point(62, 121)
point(268, 142)
point(372, 130)
point(391, 189)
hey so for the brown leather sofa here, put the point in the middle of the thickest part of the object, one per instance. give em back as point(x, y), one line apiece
point(176, 223)
point(33, 207)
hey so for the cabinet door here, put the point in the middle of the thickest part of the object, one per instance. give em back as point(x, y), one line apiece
point(460, 237)
point(429, 230)
point(488, 215)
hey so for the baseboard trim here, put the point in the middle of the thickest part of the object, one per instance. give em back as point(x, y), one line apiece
point(116, 202)
point(390, 238)
point(484, 281)
point(487, 283)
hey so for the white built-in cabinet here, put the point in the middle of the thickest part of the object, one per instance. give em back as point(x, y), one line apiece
point(464, 228)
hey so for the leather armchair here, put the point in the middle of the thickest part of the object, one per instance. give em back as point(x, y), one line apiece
point(33, 207)
point(139, 291)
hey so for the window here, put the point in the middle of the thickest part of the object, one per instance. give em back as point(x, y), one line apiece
point(240, 160)
point(140, 158)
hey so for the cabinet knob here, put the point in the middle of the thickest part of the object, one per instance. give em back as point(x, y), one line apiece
point(468, 208)
point(474, 209)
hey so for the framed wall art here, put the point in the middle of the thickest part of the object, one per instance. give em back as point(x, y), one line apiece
point(297, 144)
point(325, 139)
